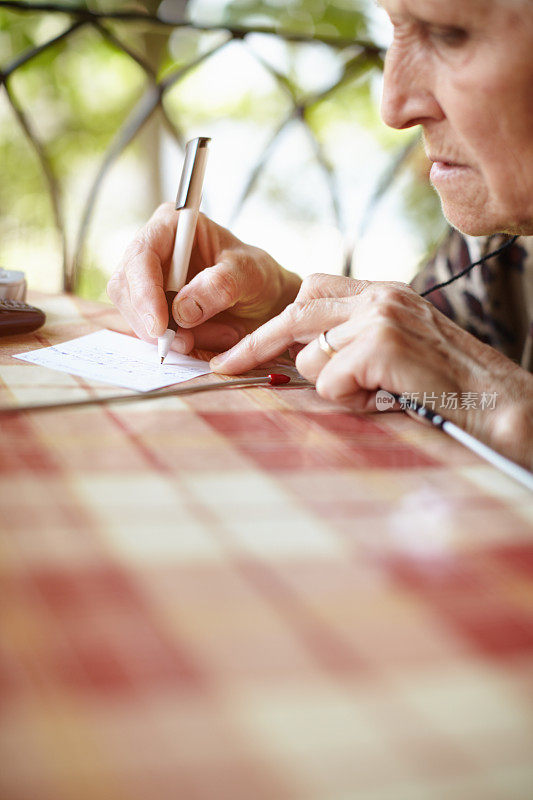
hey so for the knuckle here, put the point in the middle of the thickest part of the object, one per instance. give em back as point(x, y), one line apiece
point(136, 283)
point(392, 294)
point(428, 312)
point(388, 310)
point(164, 214)
point(247, 269)
point(139, 291)
point(511, 425)
point(361, 287)
point(135, 259)
point(402, 294)
point(392, 302)
point(393, 290)
point(292, 310)
point(136, 248)
point(149, 237)
point(224, 284)
point(388, 340)
point(312, 284)
point(253, 342)
point(241, 261)
point(297, 312)
point(325, 388)
point(165, 208)
point(244, 258)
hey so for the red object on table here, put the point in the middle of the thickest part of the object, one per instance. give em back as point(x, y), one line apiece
point(252, 594)
point(278, 379)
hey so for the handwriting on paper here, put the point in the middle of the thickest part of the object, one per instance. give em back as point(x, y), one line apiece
point(115, 358)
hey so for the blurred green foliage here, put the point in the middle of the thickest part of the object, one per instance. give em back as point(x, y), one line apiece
point(78, 92)
point(345, 20)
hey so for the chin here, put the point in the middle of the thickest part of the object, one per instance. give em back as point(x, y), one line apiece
point(470, 223)
point(476, 220)
point(479, 227)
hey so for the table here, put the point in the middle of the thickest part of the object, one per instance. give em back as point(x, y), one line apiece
point(252, 594)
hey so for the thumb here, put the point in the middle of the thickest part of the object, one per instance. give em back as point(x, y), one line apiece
point(213, 290)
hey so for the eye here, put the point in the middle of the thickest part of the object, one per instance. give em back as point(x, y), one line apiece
point(450, 37)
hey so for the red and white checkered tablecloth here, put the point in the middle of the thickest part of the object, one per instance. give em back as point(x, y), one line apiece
point(253, 595)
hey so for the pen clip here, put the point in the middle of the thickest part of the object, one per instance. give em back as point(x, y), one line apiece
point(191, 152)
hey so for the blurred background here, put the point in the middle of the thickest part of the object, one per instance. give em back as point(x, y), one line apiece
point(97, 100)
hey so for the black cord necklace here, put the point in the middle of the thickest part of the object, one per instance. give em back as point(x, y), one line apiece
point(470, 266)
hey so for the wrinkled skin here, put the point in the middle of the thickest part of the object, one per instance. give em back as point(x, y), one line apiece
point(463, 70)
point(231, 287)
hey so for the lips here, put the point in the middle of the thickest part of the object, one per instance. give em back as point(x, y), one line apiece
point(446, 171)
point(444, 161)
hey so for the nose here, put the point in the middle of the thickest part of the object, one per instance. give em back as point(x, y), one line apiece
point(408, 97)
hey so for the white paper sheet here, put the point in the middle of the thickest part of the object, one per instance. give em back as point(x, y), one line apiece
point(114, 358)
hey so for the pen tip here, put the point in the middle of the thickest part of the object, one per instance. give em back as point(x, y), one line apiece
point(162, 359)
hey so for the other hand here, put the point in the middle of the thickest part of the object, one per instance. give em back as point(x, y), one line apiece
point(387, 337)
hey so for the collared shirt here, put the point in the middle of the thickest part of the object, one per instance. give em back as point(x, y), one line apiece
point(494, 301)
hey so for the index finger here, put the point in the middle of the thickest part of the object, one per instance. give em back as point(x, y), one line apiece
point(321, 284)
point(142, 265)
point(299, 322)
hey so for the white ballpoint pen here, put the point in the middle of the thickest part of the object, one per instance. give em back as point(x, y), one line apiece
point(188, 204)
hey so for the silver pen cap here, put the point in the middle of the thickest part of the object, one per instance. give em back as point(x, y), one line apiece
point(192, 175)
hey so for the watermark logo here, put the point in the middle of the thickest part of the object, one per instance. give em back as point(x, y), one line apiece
point(384, 400)
point(449, 401)
point(443, 401)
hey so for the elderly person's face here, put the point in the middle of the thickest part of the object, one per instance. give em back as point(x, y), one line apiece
point(463, 69)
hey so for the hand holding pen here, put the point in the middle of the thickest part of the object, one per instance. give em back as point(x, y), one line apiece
point(230, 288)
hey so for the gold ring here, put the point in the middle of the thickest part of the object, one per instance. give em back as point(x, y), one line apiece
point(325, 345)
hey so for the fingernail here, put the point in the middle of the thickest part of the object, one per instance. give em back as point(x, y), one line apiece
point(149, 323)
point(217, 362)
point(188, 310)
point(179, 345)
